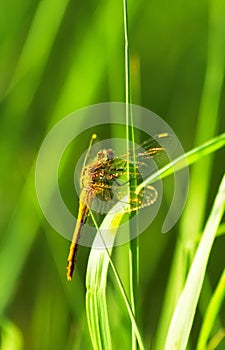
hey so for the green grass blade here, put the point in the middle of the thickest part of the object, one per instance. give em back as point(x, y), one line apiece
point(208, 118)
point(207, 124)
point(211, 313)
point(189, 158)
point(30, 66)
point(171, 295)
point(215, 341)
point(221, 230)
point(183, 316)
point(83, 82)
point(11, 337)
point(21, 232)
point(33, 58)
point(133, 247)
point(19, 237)
point(96, 280)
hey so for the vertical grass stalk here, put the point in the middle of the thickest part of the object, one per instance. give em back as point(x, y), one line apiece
point(134, 249)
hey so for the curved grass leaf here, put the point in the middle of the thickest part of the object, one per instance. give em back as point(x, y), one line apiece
point(187, 159)
point(211, 313)
point(96, 280)
point(183, 316)
point(215, 341)
point(221, 230)
point(11, 337)
point(96, 277)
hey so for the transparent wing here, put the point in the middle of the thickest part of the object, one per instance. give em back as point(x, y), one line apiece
point(155, 148)
point(145, 198)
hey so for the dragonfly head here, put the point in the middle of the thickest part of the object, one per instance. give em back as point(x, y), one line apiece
point(105, 154)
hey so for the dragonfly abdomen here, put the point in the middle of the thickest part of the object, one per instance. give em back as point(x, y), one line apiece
point(82, 217)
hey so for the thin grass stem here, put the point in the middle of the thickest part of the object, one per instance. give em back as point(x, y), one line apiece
point(134, 249)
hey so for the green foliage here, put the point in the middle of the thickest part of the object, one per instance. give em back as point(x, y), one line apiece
point(56, 57)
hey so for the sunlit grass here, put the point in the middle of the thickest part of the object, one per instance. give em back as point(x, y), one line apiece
point(99, 261)
point(56, 57)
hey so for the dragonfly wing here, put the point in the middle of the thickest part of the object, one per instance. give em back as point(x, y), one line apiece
point(155, 148)
point(145, 198)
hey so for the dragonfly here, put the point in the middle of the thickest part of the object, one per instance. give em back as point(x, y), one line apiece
point(106, 178)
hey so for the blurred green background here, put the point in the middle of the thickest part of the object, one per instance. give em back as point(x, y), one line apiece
point(59, 56)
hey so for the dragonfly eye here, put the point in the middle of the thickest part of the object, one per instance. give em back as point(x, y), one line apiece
point(110, 154)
